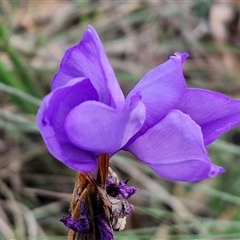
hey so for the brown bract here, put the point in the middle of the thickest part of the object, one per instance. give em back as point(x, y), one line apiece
point(105, 213)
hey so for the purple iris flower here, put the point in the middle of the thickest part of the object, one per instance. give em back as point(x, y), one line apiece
point(162, 122)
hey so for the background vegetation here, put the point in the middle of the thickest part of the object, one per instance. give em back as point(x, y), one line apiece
point(35, 189)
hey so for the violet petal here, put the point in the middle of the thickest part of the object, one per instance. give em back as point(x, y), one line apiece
point(126, 191)
point(103, 129)
point(51, 116)
point(88, 59)
point(161, 88)
point(105, 231)
point(122, 189)
point(215, 113)
point(81, 226)
point(174, 149)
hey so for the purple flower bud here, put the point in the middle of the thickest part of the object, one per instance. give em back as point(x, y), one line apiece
point(80, 225)
point(122, 189)
point(126, 191)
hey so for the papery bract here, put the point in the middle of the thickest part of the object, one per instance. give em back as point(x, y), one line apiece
point(161, 121)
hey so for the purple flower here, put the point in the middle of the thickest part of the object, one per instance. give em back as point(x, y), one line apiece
point(161, 121)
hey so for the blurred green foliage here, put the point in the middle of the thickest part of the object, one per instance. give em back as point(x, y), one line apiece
point(35, 189)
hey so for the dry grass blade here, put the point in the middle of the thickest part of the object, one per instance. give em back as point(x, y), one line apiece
point(6, 230)
point(14, 208)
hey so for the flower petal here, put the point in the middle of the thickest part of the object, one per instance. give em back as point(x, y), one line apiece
point(88, 59)
point(174, 149)
point(215, 113)
point(161, 89)
point(50, 118)
point(82, 224)
point(96, 127)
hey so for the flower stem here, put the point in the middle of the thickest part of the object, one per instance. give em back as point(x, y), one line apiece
point(99, 205)
point(86, 194)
